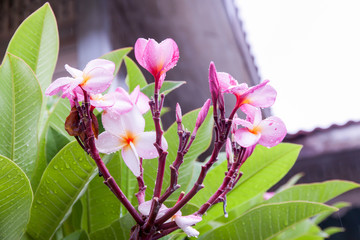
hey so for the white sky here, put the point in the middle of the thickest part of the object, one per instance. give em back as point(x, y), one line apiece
point(310, 52)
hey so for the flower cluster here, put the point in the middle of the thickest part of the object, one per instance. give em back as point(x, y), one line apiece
point(124, 124)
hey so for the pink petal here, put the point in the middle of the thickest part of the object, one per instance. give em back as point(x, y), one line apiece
point(140, 100)
point(253, 114)
point(58, 85)
point(184, 222)
point(131, 159)
point(145, 207)
point(108, 143)
point(242, 122)
point(109, 66)
point(245, 138)
point(102, 101)
point(202, 114)
point(237, 90)
point(118, 125)
point(145, 145)
point(139, 50)
point(99, 79)
point(273, 131)
point(229, 151)
point(75, 73)
point(169, 47)
point(226, 80)
point(159, 58)
point(261, 95)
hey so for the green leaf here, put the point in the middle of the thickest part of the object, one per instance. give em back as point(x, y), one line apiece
point(303, 228)
point(264, 168)
point(15, 200)
point(166, 88)
point(134, 75)
point(36, 41)
point(186, 171)
point(63, 182)
point(57, 116)
point(103, 207)
point(78, 235)
point(321, 217)
point(118, 230)
point(267, 221)
point(314, 192)
point(333, 230)
point(117, 56)
point(291, 182)
point(20, 107)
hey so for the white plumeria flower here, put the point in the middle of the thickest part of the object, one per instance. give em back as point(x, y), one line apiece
point(183, 222)
point(126, 132)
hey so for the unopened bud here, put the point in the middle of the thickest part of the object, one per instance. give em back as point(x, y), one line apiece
point(202, 114)
point(229, 152)
point(214, 85)
point(178, 113)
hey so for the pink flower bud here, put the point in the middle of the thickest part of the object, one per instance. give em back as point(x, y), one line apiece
point(178, 113)
point(202, 114)
point(213, 83)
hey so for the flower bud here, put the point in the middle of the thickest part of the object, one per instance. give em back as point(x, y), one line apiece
point(214, 85)
point(178, 113)
point(202, 114)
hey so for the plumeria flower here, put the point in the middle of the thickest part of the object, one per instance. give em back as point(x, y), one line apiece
point(157, 58)
point(95, 78)
point(183, 222)
point(261, 95)
point(124, 102)
point(268, 132)
point(126, 132)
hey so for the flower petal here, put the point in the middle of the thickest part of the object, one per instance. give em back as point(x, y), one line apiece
point(99, 63)
point(75, 73)
point(140, 100)
point(145, 145)
point(145, 208)
point(226, 80)
point(99, 79)
point(107, 143)
point(58, 85)
point(253, 114)
point(261, 95)
point(170, 48)
point(245, 138)
point(184, 222)
point(273, 131)
point(139, 50)
point(131, 159)
point(242, 122)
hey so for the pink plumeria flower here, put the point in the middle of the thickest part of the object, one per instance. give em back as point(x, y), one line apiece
point(183, 222)
point(261, 95)
point(126, 132)
point(157, 58)
point(268, 132)
point(95, 78)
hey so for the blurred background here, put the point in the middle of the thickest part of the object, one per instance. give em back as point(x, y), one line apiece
point(309, 50)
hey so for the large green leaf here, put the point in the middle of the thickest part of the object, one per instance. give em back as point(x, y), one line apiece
point(36, 41)
point(267, 221)
point(103, 208)
point(314, 192)
point(117, 57)
point(134, 75)
point(187, 170)
point(166, 88)
point(118, 230)
point(63, 182)
point(20, 107)
point(264, 168)
point(15, 200)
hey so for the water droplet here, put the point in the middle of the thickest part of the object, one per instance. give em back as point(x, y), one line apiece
point(9, 176)
point(39, 202)
point(55, 167)
point(35, 206)
point(62, 169)
point(67, 165)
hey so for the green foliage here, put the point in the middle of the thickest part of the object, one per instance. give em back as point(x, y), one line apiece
point(20, 107)
point(267, 221)
point(15, 200)
point(36, 41)
point(65, 200)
